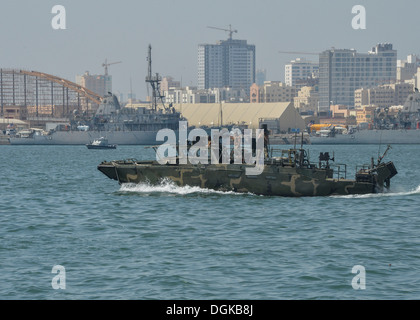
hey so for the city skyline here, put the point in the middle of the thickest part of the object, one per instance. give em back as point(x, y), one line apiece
point(99, 30)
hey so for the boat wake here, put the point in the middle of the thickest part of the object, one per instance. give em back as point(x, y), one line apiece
point(168, 186)
point(384, 194)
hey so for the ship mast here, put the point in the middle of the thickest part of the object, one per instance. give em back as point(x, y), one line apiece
point(154, 82)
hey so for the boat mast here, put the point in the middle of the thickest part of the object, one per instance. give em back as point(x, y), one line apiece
point(154, 82)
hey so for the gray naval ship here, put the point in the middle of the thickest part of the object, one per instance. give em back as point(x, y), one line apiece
point(402, 127)
point(120, 126)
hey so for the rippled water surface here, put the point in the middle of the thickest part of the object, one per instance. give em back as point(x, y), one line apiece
point(167, 242)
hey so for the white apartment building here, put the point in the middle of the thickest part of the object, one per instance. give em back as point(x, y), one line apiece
point(342, 71)
point(229, 63)
point(194, 95)
point(407, 69)
point(299, 69)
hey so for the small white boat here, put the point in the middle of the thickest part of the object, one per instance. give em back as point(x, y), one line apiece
point(101, 143)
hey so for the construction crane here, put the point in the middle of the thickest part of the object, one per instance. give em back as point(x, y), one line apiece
point(297, 52)
point(106, 64)
point(230, 30)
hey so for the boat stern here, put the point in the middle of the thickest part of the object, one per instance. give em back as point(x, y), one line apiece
point(385, 171)
point(379, 177)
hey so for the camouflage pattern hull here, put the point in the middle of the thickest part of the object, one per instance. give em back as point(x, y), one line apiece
point(276, 180)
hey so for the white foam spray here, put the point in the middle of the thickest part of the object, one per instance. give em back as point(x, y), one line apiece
point(168, 186)
point(383, 194)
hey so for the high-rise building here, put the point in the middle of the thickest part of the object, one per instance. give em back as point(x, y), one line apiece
point(342, 71)
point(100, 84)
point(299, 69)
point(406, 69)
point(261, 76)
point(229, 63)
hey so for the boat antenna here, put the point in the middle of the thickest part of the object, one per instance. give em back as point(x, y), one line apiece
point(267, 148)
point(131, 91)
point(154, 82)
point(301, 141)
point(221, 114)
point(381, 157)
point(380, 142)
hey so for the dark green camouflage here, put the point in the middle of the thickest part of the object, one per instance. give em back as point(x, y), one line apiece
point(292, 175)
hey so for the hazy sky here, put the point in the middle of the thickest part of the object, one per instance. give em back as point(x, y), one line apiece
point(122, 30)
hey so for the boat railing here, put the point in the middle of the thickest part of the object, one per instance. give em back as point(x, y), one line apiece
point(340, 169)
point(125, 161)
point(363, 167)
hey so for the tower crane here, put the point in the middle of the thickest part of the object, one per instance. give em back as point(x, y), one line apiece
point(297, 52)
point(230, 30)
point(106, 64)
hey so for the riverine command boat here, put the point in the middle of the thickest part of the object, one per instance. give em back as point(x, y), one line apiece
point(291, 174)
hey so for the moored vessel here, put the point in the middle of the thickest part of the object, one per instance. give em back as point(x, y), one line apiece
point(121, 126)
point(101, 143)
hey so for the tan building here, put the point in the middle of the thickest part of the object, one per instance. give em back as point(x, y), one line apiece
point(307, 100)
point(169, 82)
point(340, 111)
point(15, 112)
point(366, 114)
point(99, 84)
point(340, 115)
point(283, 115)
point(273, 91)
point(337, 121)
point(254, 94)
point(383, 96)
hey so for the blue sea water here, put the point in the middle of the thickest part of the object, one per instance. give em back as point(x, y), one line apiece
point(167, 242)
